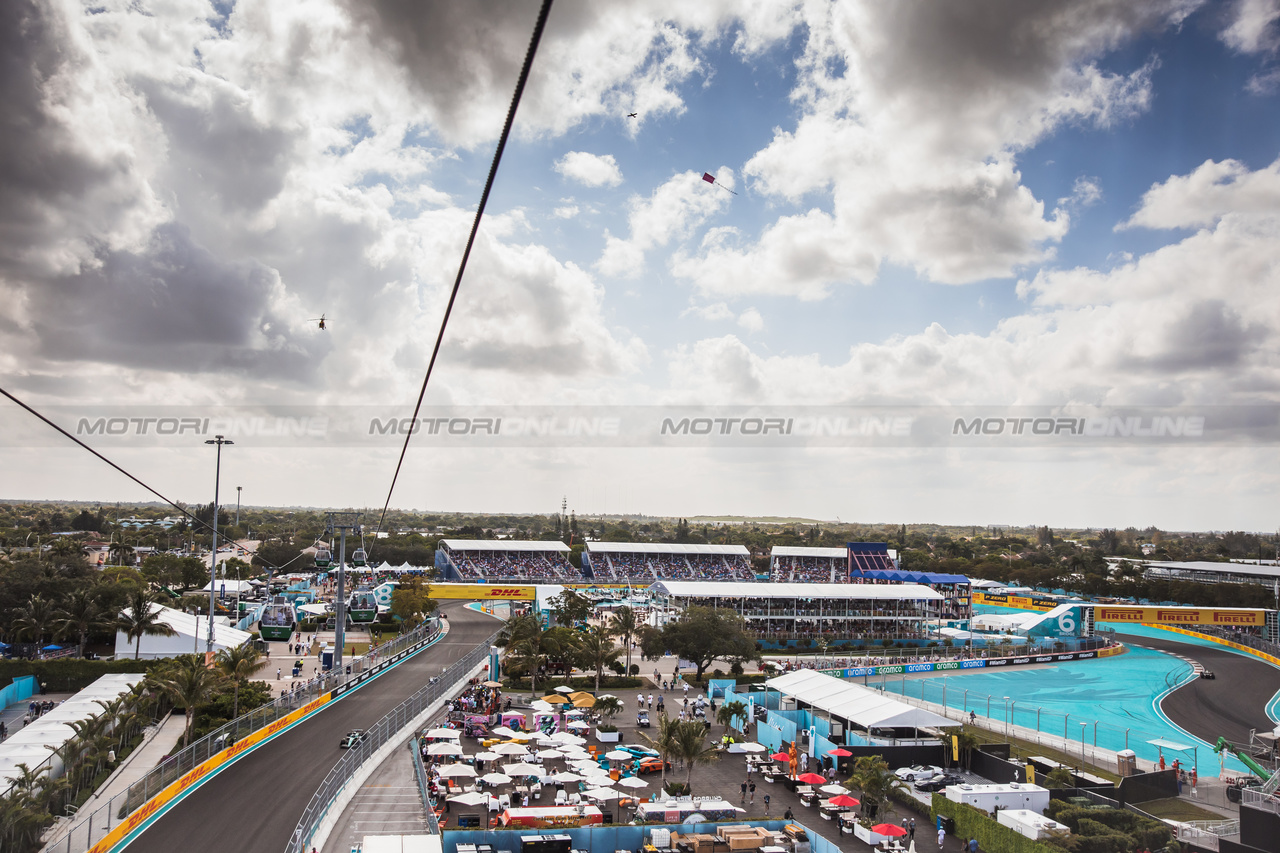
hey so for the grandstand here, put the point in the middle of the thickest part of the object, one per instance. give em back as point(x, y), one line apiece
point(646, 562)
point(504, 561)
point(791, 564)
point(866, 557)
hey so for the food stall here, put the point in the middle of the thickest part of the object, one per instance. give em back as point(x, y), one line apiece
point(551, 817)
point(677, 811)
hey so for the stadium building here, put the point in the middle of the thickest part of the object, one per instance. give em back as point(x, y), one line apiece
point(645, 562)
point(504, 561)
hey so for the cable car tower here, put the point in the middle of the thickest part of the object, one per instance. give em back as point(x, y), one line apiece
point(341, 522)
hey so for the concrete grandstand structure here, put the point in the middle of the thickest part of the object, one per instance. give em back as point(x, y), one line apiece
point(1202, 571)
point(645, 562)
point(504, 560)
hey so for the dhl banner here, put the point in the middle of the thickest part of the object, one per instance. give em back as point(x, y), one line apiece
point(481, 591)
point(193, 776)
point(1177, 615)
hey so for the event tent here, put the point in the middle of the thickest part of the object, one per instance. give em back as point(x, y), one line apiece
point(862, 706)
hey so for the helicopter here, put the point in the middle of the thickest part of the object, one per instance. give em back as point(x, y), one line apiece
point(321, 320)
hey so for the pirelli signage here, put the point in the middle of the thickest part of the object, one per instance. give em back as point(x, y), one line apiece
point(1178, 615)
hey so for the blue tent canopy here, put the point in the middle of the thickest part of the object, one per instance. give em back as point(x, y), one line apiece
point(51, 648)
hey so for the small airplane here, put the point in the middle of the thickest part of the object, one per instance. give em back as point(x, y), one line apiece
point(631, 115)
point(321, 320)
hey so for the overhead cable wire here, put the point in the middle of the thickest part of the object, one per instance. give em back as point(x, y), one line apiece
point(471, 239)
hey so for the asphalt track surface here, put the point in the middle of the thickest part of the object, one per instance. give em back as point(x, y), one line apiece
point(254, 805)
point(1227, 705)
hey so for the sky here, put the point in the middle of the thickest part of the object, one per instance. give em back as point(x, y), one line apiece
point(937, 209)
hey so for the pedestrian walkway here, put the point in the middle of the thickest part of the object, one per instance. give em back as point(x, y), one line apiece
point(160, 743)
point(12, 716)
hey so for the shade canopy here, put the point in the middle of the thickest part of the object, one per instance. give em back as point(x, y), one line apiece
point(458, 770)
point(452, 734)
point(473, 798)
point(495, 779)
point(859, 705)
point(444, 748)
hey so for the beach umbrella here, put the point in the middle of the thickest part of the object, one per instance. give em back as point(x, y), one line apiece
point(888, 829)
point(444, 748)
point(577, 724)
point(811, 778)
point(578, 694)
point(780, 756)
point(844, 801)
point(541, 707)
point(522, 768)
point(834, 790)
point(451, 734)
point(752, 747)
point(487, 755)
point(587, 701)
point(495, 779)
point(574, 713)
point(458, 770)
point(566, 737)
point(564, 688)
point(603, 794)
point(511, 749)
point(633, 782)
point(840, 753)
point(550, 753)
point(556, 700)
point(618, 755)
point(492, 684)
point(566, 776)
point(503, 731)
point(471, 799)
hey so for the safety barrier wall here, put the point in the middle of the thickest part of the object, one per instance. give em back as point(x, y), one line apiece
point(377, 736)
point(1257, 651)
point(122, 815)
point(23, 687)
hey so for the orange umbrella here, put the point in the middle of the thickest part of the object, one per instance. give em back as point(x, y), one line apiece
point(557, 699)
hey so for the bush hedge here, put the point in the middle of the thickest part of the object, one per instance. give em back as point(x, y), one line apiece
point(1107, 830)
point(992, 837)
point(67, 675)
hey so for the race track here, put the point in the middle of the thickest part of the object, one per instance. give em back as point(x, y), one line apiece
point(1228, 705)
point(254, 805)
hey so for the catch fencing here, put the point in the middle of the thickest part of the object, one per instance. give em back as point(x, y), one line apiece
point(376, 737)
point(90, 828)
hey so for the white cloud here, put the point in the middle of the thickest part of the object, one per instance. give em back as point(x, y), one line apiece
point(714, 311)
point(592, 170)
point(671, 212)
point(751, 320)
point(1255, 27)
point(567, 211)
point(1213, 190)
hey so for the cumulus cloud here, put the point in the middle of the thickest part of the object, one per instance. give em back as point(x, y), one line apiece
point(592, 170)
point(671, 212)
point(1213, 190)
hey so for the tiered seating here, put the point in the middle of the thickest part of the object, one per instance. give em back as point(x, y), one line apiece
point(703, 567)
point(633, 567)
point(809, 570)
point(514, 565)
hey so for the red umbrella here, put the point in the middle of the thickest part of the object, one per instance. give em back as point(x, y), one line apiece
point(811, 778)
point(845, 800)
point(888, 829)
point(780, 756)
point(840, 753)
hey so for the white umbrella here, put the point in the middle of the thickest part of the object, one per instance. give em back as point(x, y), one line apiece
point(550, 753)
point(444, 748)
point(606, 696)
point(834, 790)
point(511, 749)
point(542, 737)
point(495, 778)
point(575, 713)
point(458, 770)
point(633, 782)
point(618, 755)
point(577, 724)
point(565, 737)
point(503, 731)
point(522, 769)
point(566, 776)
point(753, 747)
point(451, 734)
point(564, 688)
point(603, 794)
point(542, 707)
point(487, 755)
point(472, 799)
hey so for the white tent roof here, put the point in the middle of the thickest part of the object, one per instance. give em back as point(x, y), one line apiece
point(504, 545)
point(853, 702)
point(190, 638)
point(230, 585)
point(666, 548)
point(803, 551)
point(861, 591)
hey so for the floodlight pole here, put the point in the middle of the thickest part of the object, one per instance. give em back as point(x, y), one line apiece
point(213, 560)
point(341, 522)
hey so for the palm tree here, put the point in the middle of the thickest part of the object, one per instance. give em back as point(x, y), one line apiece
point(189, 683)
point(727, 713)
point(691, 747)
point(79, 616)
point(34, 618)
point(873, 777)
point(663, 740)
point(624, 626)
point(27, 810)
point(596, 650)
point(239, 664)
point(67, 551)
point(120, 550)
point(525, 638)
point(138, 620)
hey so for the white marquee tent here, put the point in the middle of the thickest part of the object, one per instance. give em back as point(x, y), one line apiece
point(859, 705)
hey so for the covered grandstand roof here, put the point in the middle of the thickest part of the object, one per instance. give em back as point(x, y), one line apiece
point(504, 545)
point(853, 702)
point(865, 591)
point(911, 577)
point(800, 551)
point(1254, 569)
point(666, 548)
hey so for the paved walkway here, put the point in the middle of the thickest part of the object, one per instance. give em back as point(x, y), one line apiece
point(387, 804)
point(12, 716)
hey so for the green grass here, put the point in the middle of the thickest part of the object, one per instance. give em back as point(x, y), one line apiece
point(1175, 808)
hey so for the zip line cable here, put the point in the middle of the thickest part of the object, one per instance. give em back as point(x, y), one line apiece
point(471, 239)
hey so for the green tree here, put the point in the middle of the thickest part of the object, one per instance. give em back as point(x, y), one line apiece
point(140, 620)
point(188, 683)
point(595, 650)
point(876, 781)
point(571, 607)
point(525, 639)
point(624, 625)
point(663, 740)
point(690, 745)
point(239, 664)
point(34, 619)
point(411, 601)
point(727, 715)
point(121, 552)
point(79, 616)
point(705, 634)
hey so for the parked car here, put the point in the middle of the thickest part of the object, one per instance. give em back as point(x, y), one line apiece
point(650, 765)
point(352, 738)
point(639, 751)
point(918, 772)
point(937, 783)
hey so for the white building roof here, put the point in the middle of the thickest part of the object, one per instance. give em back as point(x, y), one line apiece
point(860, 591)
point(798, 551)
point(666, 548)
point(853, 702)
point(1254, 569)
point(505, 545)
point(192, 632)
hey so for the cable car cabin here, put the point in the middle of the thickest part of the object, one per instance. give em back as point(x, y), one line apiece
point(362, 606)
point(360, 558)
point(324, 559)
